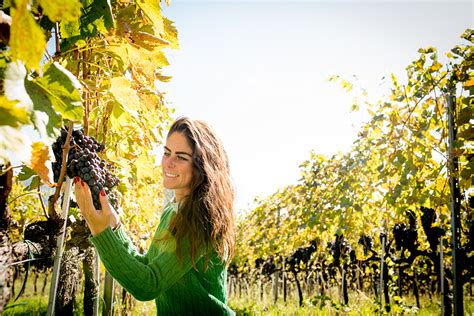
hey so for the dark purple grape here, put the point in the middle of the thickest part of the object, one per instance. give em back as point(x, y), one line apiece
point(84, 162)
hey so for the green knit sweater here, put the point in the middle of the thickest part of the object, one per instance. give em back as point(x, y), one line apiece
point(176, 286)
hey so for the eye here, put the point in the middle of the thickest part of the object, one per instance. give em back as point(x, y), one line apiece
point(181, 157)
point(166, 153)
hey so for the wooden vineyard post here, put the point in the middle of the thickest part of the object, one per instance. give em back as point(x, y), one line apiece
point(382, 237)
point(108, 295)
point(317, 283)
point(97, 274)
point(343, 280)
point(275, 279)
point(284, 280)
point(455, 204)
point(59, 249)
point(441, 274)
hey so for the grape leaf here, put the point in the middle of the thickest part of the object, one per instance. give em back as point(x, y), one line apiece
point(64, 10)
point(96, 18)
point(39, 158)
point(61, 89)
point(152, 10)
point(11, 114)
point(26, 173)
point(119, 116)
point(14, 78)
point(50, 123)
point(465, 115)
point(30, 177)
point(469, 83)
point(170, 33)
point(27, 41)
point(125, 95)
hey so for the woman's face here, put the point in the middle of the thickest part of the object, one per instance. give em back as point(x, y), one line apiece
point(177, 165)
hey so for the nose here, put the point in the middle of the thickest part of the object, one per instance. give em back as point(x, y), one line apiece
point(169, 161)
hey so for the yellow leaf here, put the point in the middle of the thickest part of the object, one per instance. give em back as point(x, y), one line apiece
point(139, 55)
point(39, 157)
point(149, 39)
point(11, 114)
point(119, 117)
point(436, 66)
point(469, 83)
point(171, 33)
point(61, 10)
point(152, 10)
point(146, 168)
point(121, 89)
point(27, 41)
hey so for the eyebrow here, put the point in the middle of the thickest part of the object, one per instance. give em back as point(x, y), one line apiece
point(179, 152)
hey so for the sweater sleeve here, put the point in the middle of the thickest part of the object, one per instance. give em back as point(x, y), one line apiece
point(147, 279)
point(129, 245)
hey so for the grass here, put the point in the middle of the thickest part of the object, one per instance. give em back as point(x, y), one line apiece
point(27, 306)
point(359, 304)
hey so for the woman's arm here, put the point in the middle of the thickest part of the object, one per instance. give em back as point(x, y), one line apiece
point(129, 245)
point(145, 277)
point(144, 280)
point(100, 220)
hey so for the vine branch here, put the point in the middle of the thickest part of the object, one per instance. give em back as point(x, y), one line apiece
point(52, 200)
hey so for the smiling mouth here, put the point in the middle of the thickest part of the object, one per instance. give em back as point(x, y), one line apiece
point(171, 175)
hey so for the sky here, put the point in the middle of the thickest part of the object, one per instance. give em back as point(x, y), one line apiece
point(258, 71)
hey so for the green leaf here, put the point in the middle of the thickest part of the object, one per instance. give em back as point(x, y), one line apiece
point(346, 202)
point(29, 176)
point(61, 10)
point(15, 74)
point(62, 89)
point(468, 170)
point(27, 41)
point(468, 35)
point(465, 115)
point(26, 173)
point(50, 123)
point(11, 114)
point(96, 18)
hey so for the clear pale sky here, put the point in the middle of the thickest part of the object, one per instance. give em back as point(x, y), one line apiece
point(257, 71)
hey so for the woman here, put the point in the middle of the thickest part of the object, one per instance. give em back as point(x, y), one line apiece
point(184, 270)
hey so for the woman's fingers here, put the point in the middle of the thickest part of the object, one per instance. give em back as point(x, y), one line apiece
point(108, 210)
point(104, 202)
point(84, 198)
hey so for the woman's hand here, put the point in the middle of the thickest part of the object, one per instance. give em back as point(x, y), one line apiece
point(97, 220)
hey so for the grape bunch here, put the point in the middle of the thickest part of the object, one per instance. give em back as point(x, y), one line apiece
point(405, 237)
point(83, 162)
point(367, 242)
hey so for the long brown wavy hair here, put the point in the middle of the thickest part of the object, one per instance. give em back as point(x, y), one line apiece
point(206, 216)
